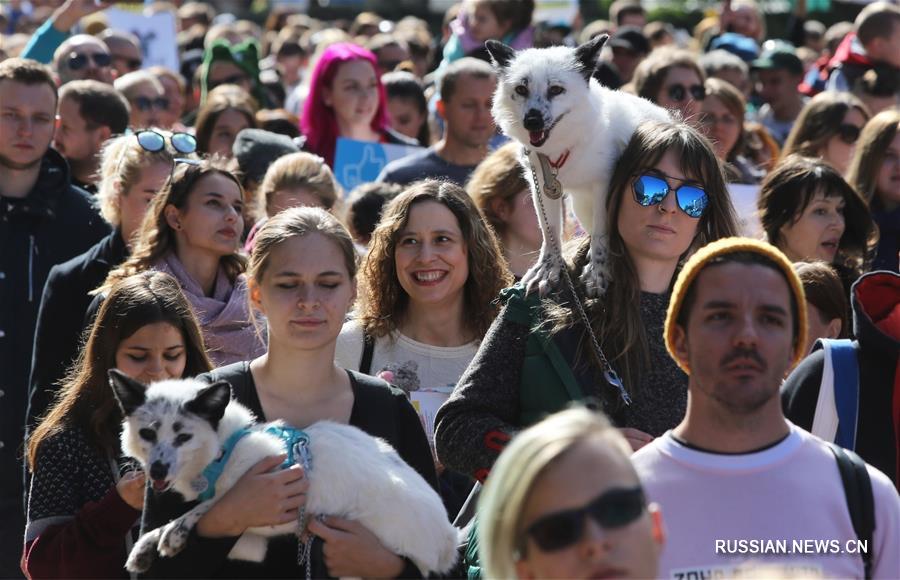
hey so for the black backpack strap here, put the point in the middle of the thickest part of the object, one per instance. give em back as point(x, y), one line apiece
point(860, 501)
point(365, 362)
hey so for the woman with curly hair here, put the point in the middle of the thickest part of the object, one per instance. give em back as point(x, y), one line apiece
point(828, 127)
point(192, 231)
point(427, 288)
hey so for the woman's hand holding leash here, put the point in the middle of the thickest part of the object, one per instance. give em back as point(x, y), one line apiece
point(352, 550)
point(131, 489)
point(261, 497)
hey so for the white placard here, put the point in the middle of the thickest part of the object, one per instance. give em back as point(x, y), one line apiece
point(556, 11)
point(157, 34)
point(745, 197)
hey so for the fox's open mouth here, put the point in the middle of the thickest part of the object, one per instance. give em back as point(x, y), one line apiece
point(538, 138)
point(160, 484)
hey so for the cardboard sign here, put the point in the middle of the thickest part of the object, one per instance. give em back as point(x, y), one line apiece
point(426, 404)
point(744, 198)
point(358, 162)
point(157, 34)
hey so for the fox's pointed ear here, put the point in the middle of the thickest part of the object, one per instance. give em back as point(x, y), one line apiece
point(501, 55)
point(129, 393)
point(210, 402)
point(586, 54)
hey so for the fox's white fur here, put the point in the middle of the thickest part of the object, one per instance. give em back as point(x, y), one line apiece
point(353, 475)
point(549, 93)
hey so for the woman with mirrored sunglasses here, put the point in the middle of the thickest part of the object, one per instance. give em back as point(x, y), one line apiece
point(145, 94)
point(828, 127)
point(673, 79)
point(667, 198)
point(564, 501)
point(192, 231)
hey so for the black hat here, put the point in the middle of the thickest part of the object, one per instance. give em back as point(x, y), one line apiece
point(256, 149)
point(779, 58)
point(631, 38)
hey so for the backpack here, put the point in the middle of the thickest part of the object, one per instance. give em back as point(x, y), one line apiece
point(837, 407)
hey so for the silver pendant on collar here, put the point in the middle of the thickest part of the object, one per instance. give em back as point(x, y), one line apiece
point(552, 186)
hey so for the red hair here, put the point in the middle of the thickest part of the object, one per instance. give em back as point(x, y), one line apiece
point(318, 122)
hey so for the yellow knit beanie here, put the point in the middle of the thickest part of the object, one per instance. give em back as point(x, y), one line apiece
point(702, 257)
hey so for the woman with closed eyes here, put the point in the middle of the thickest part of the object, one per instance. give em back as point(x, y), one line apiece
point(82, 505)
point(192, 230)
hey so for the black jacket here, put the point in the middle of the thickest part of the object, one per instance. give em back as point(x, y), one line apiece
point(61, 318)
point(53, 223)
point(876, 440)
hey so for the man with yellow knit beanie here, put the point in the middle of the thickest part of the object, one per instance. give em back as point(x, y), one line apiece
point(736, 481)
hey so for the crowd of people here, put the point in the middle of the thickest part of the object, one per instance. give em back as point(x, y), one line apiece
point(192, 222)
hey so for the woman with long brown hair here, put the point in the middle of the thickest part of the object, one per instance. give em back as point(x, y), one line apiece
point(80, 508)
point(875, 173)
point(192, 231)
point(667, 198)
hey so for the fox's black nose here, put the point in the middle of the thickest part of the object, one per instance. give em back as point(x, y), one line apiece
point(158, 470)
point(534, 121)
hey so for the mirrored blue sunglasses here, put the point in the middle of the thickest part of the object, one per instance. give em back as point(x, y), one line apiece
point(651, 189)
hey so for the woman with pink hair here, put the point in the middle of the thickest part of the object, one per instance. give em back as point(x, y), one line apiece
point(346, 99)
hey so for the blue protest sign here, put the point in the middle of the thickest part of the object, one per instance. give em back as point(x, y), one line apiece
point(357, 162)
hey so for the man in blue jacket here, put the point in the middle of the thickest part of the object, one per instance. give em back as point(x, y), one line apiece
point(44, 220)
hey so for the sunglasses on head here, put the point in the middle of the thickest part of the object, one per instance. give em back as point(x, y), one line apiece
point(651, 189)
point(79, 61)
point(154, 142)
point(146, 103)
point(612, 509)
point(679, 93)
point(848, 133)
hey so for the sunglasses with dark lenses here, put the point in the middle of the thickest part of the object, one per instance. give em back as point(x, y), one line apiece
point(131, 64)
point(146, 103)
point(612, 509)
point(848, 133)
point(652, 189)
point(678, 93)
point(151, 141)
point(79, 61)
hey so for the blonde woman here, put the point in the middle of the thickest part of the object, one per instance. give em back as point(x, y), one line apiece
point(295, 180)
point(564, 501)
point(131, 175)
point(875, 173)
point(192, 231)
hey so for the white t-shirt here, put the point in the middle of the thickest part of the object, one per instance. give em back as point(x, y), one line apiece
point(720, 511)
point(428, 373)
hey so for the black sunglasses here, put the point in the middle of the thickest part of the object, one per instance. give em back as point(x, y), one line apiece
point(612, 509)
point(848, 133)
point(679, 93)
point(131, 64)
point(651, 189)
point(79, 61)
point(146, 103)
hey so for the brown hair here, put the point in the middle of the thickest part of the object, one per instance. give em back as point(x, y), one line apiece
point(217, 103)
point(734, 102)
point(819, 121)
point(620, 328)
point(299, 170)
point(518, 13)
point(788, 190)
point(499, 176)
point(871, 149)
point(383, 300)
point(299, 221)
point(877, 20)
point(86, 400)
point(155, 238)
point(650, 75)
point(824, 290)
point(27, 72)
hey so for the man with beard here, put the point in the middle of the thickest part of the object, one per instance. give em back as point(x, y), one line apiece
point(44, 220)
point(735, 480)
point(90, 112)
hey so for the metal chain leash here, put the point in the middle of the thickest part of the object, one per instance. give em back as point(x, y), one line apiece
point(609, 373)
